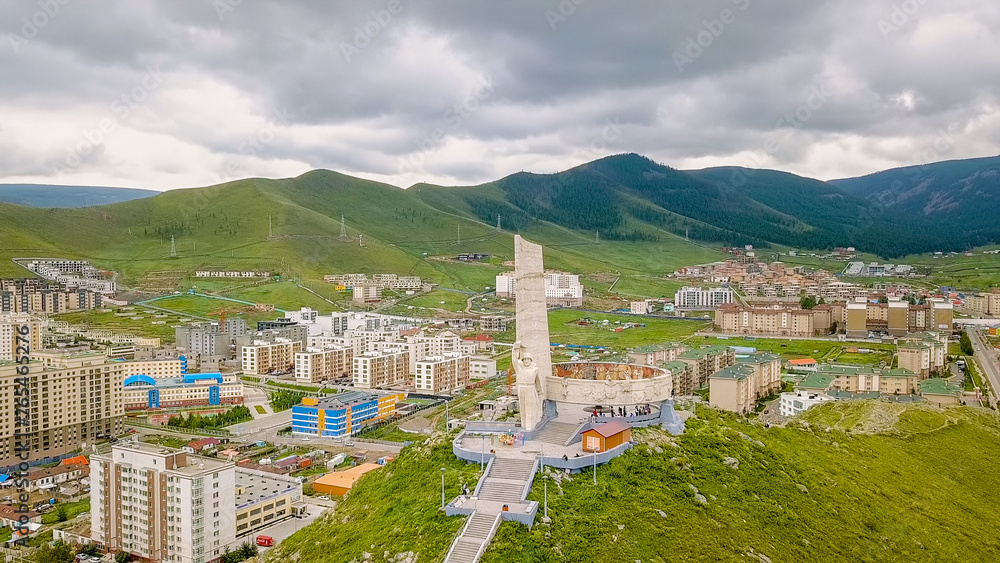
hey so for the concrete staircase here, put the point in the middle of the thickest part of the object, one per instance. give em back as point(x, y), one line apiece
point(477, 534)
point(504, 483)
point(556, 432)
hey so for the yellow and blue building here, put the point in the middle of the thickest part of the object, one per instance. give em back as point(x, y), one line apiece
point(341, 415)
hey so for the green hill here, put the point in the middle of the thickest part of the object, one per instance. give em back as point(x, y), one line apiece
point(390, 230)
point(854, 481)
point(623, 214)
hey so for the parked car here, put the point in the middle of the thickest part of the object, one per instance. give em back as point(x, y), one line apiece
point(349, 443)
point(306, 439)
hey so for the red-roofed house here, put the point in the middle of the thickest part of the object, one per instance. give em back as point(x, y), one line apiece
point(604, 437)
point(202, 445)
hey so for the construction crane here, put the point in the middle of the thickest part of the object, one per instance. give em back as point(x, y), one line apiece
point(222, 317)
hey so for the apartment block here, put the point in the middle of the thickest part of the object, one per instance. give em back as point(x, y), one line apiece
point(698, 298)
point(156, 369)
point(655, 354)
point(774, 320)
point(321, 364)
point(560, 288)
point(738, 387)
point(482, 368)
point(923, 353)
point(704, 362)
point(379, 369)
point(73, 399)
point(986, 303)
point(494, 323)
point(862, 379)
point(163, 505)
point(10, 327)
point(897, 317)
point(368, 293)
point(269, 357)
point(342, 414)
point(442, 374)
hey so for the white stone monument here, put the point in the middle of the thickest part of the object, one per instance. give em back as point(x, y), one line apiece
point(530, 358)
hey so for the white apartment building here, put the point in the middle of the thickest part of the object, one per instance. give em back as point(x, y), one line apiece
point(163, 505)
point(640, 307)
point(266, 357)
point(10, 325)
point(157, 369)
point(482, 368)
point(377, 369)
point(73, 399)
point(793, 403)
point(442, 374)
point(698, 298)
point(560, 288)
point(321, 364)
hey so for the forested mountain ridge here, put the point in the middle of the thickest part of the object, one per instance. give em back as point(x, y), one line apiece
point(630, 197)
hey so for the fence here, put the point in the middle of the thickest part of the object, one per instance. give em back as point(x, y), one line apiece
point(178, 429)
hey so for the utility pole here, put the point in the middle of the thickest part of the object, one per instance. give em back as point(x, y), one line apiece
point(597, 237)
point(173, 247)
point(268, 227)
point(459, 243)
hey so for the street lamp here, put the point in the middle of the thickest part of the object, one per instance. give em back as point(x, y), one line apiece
point(442, 488)
point(482, 453)
point(595, 466)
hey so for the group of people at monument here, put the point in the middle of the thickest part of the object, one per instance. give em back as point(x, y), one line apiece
point(622, 411)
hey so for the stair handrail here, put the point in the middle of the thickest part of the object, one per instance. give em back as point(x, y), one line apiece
point(489, 537)
point(458, 537)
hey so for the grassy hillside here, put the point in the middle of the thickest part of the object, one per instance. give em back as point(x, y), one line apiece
point(855, 481)
point(227, 226)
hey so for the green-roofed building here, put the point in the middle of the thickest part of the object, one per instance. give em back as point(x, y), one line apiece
point(941, 391)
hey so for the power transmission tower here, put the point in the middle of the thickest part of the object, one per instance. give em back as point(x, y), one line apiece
point(498, 221)
point(268, 227)
point(687, 235)
point(343, 231)
point(459, 241)
point(597, 237)
point(173, 247)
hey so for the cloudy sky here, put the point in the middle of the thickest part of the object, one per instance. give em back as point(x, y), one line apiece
point(181, 93)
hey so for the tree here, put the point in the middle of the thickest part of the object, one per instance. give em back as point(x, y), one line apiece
point(248, 550)
point(807, 302)
point(123, 557)
point(90, 549)
point(965, 344)
point(61, 513)
point(58, 552)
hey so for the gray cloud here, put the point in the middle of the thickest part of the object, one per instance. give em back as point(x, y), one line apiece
point(394, 89)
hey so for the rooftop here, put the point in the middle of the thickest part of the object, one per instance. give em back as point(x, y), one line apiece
point(939, 386)
point(735, 371)
point(816, 381)
point(610, 428)
point(343, 400)
point(254, 486)
point(346, 479)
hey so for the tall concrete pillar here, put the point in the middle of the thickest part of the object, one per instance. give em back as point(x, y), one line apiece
point(532, 331)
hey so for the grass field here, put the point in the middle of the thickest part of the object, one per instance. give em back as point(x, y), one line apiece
point(818, 349)
point(564, 330)
point(126, 325)
point(427, 303)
